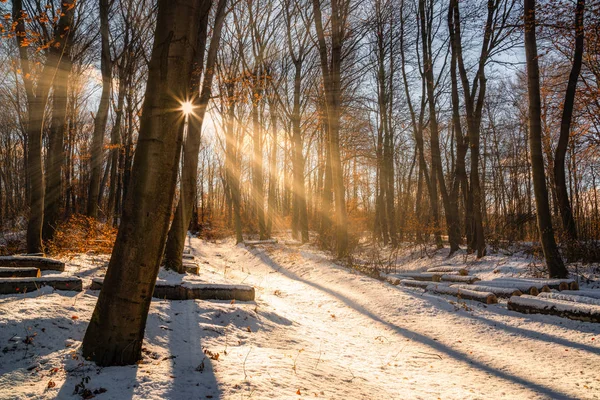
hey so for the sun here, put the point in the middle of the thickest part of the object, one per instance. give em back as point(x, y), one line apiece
point(187, 107)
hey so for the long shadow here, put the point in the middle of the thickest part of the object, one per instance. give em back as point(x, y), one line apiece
point(521, 331)
point(419, 337)
point(192, 372)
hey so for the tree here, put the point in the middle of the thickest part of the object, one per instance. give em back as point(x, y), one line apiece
point(556, 268)
point(102, 114)
point(116, 330)
point(37, 100)
point(560, 183)
point(191, 147)
point(332, 76)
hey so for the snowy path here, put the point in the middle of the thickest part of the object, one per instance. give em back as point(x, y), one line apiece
point(355, 337)
point(316, 330)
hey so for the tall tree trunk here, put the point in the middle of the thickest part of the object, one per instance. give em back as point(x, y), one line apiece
point(562, 195)
point(102, 114)
point(332, 90)
point(56, 149)
point(191, 147)
point(116, 329)
point(556, 268)
point(37, 99)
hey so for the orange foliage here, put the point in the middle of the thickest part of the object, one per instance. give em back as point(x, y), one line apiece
point(81, 234)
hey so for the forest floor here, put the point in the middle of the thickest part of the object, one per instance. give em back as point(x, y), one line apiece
point(316, 329)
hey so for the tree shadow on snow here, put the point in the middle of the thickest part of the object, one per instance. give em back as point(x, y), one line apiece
point(415, 336)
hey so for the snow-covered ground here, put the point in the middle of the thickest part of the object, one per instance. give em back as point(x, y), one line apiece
point(316, 330)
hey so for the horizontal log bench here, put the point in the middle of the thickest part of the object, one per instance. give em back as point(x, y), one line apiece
point(594, 294)
point(525, 287)
point(23, 285)
point(556, 284)
point(570, 297)
point(535, 305)
point(41, 263)
point(446, 269)
point(500, 292)
point(459, 278)
point(464, 294)
point(191, 291)
point(25, 272)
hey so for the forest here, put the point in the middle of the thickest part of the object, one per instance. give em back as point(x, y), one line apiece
point(189, 149)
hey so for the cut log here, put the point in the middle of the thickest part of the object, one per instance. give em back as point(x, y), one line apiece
point(33, 254)
point(191, 268)
point(482, 297)
point(556, 284)
point(259, 242)
point(41, 263)
point(594, 294)
point(188, 257)
point(6, 272)
point(445, 269)
point(187, 251)
point(23, 285)
point(415, 284)
point(566, 309)
point(501, 292)
point(525, 287)
point(191, 291)
point(570, 297)
point(459, 278)
point(421, 276)
point(393, 281)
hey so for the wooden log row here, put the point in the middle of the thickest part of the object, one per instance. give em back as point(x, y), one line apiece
point(259, 242)
point(41, 263)
point(6, 272)
point(421, 276)
point(534, 305)
point(447, 268)
point(23, 285)
point(191, 268)
point(190, 291)
point(418, 284)
point(570, 297)
point(465, 294)
point(556, 284)
point(499, 292)
point(524, 287)
point(594, 294)
point(459, 279)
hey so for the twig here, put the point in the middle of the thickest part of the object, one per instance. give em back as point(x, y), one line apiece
point(244, 365)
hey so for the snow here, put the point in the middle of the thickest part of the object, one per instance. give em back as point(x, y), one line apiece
point(316, 330)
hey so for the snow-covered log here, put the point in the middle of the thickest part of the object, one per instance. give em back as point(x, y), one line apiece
point(7, 272)
point(259, 242)
point(447, 268)
point(188, 257)
point(459, 278)
point(421, 276)
point(415, 284)
point(570, 297)
point(501, 292)
point(483, 297)
point(556, 284)
point(190, 291)
point(41, 263)
point(23, 285)
point(535, 305)
point(595, 294)
point(191, 268)
point(525, 287)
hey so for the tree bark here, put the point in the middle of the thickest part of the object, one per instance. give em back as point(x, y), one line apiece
point(93, 199)
point(560, 183)
point(556, 268)
point(191, 148)
point(116, 330)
